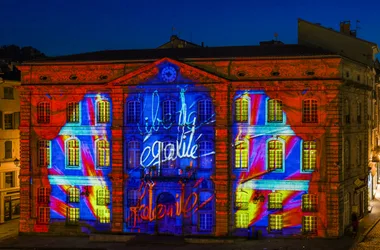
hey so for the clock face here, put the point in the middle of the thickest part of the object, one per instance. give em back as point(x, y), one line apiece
point(168, 74)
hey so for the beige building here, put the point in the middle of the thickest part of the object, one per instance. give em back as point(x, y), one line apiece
point(358, 137)
point(9, 143)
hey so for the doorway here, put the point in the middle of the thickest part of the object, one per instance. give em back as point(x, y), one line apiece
point(166, 222)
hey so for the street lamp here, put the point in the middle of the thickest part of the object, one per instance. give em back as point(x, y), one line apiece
point(17, 162)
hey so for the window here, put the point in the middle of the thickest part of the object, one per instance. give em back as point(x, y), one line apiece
point(309, 114)
point(8, 150)
point(133, 112)
point(103, 215)
point(276, 222)
point(73, 112)
point(73, 153)
point(43, 195)
point(74, 195)
point(168, 154)
point(206, 154)
point(205, 222)
point(132, 198)
point(204, 111)
point(241, 155)
point(205, 199)
point(103, 196)
point(359, 153)
point(309, 155)
point(359, 113)
point(44, 153)
point(309, 203)
point(275, 201)
point(8, 121)
point(241, 220)
point(103, 111)
point(309, 224)
point(347, 111)
point(43, 113)
point(43, 215)
point(347, 156)
point(274, 110)
point(169, 111)
point(241, 110)
point(72, 215)
point(134, 154)
point(241, 201)
point(103, 153)
point(8, 93)
point(275, 153)
point(9, 180)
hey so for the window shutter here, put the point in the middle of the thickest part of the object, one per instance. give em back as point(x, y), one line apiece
point(1, 119)
point(8, 149)
point(16, 122)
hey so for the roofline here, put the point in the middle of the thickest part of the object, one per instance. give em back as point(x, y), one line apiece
point(332, 30)
point(184, 58)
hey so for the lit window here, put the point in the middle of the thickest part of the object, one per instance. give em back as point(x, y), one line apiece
point(103, 215)
point(103, 153)
point(241, 220)
point(204, 111)
point(205, 222)
point(103, 196)
point(8, 150)
point(241, 200)
point(275, 201)
point(132, 198)
point(8, 93)
point(9, 180)
point(169, 111)
point(274, 110)
point(205, 201)
point(309, 155)
point(206, 154)
point(104, 111)
point(309, 224)
point(275, 153)
point(43, 215)
point(44, 153)
point(241, 110)
point(168, 154)
point(134, 111)
point(43, 112)
point(73, 153)
point(309, 114)
point(72, 112)
point(72, 215)
point(309, 203)
point(134, 154)
point(276, 222)
point(241, 155)
point(74, 195)
point(43, 195)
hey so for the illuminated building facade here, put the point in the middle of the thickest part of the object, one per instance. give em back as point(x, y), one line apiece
point(205, 141)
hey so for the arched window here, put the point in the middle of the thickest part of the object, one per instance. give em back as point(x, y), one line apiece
point(275, 200)
point(309, 155)
point(241, 155)
point(133, 111)
point(206, 154)
point(103, 153)
point(309, 203)
point(241, 110)
point(169, 111)
point(309, 111)
point(72, 153)
point(133, 154)
point(275, 155)
point(104, 112)
point(204, 110)
point(102, 196)
point(73, 195)
point(43, 112)
point(274, 110)
point(347, 158)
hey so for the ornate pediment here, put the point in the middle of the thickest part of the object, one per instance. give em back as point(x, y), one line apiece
point(167, 71)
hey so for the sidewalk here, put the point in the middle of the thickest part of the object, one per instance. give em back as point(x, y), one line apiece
point(9, 229)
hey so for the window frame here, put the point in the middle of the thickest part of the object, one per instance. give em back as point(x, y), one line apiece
point(312, 116)
point(209, 222)
point(8, 150)
point(204, 110)
point(103, 151)
point(313, 229)
point(12, 178)
point(310, 150)
point(275, 201)
point(73, 195)
point(68, 153)
point(309, 203)
point(205, 152)
point(132, 202)
point(275, 103)
point(43, 195)
point(7, 122)
point(242, 220)
point(275, 217)
point(268, 154)
point(44, 112)
point(135, 151)
point(103, 215)
point(172, 107)
point(72, 220)
point(103, 114)
point(76, 108)
point(241, 200)
point(47, 153)
point(241, 154)
point(136, 116)
point(241, 117)
point(103, 197)
point(170, 164)
point(45, 218)
point(9, 95)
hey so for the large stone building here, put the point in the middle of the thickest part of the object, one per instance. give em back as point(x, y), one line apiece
point(9, 142)
point(191, 140)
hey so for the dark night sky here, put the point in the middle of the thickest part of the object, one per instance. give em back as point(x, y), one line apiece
point(59, 27)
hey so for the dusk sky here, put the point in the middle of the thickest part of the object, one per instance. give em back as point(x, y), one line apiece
point(60, 27)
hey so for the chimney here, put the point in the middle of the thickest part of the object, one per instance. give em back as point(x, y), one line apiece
point(345, 27)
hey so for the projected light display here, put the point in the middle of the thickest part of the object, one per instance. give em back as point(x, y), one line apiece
point(272, 165)
point(169, 143)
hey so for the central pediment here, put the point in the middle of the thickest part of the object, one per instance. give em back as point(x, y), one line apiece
point(167, 71)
